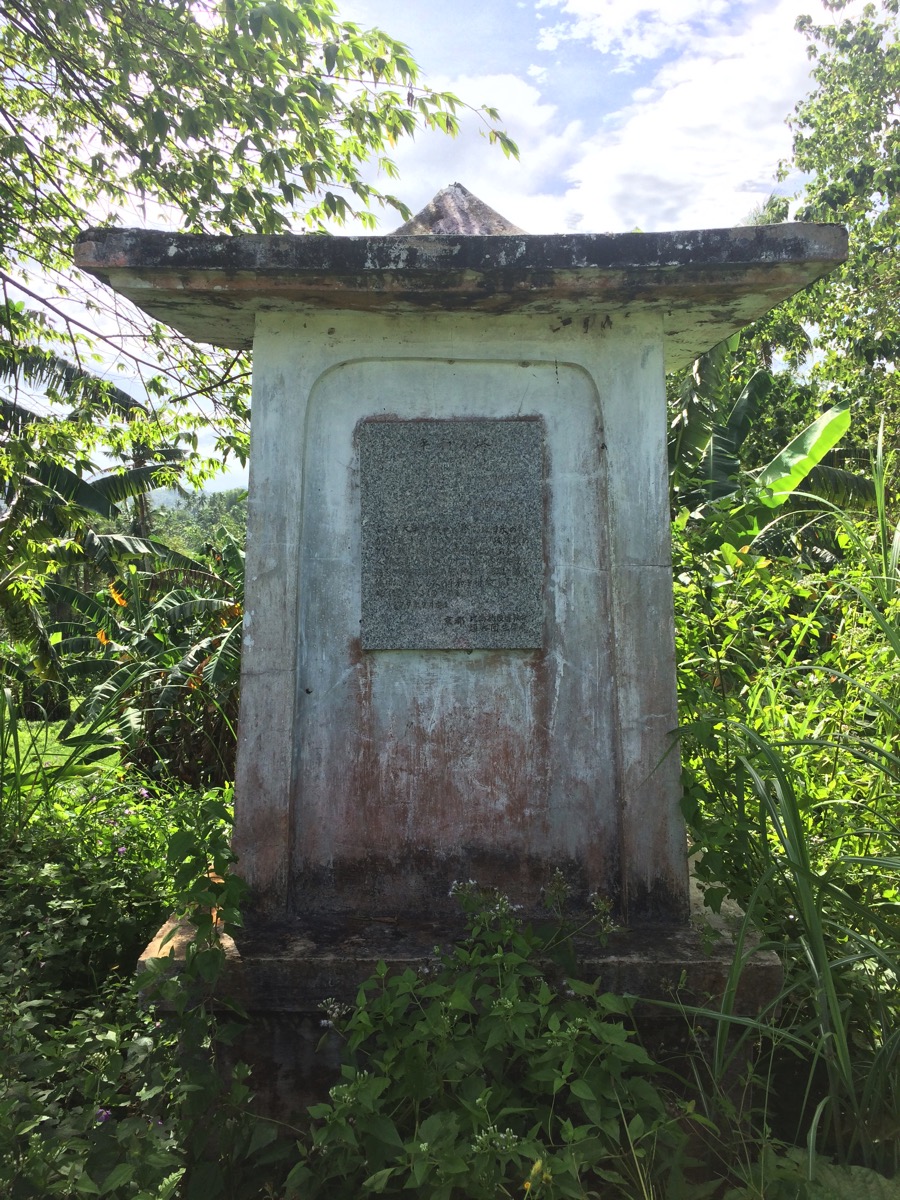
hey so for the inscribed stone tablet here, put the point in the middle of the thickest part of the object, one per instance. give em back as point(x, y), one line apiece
point(452, 534)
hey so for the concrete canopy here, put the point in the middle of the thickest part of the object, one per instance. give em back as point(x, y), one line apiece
point(706, 284)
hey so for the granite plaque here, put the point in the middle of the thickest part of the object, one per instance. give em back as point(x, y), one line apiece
point(452, 534)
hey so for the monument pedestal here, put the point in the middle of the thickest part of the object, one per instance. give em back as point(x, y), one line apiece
point(281, 981)
point(458, 657)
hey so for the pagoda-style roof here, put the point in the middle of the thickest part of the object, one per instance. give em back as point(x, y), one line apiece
point(704, 283)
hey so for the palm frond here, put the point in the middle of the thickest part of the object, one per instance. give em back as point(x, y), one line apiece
point(43, 370)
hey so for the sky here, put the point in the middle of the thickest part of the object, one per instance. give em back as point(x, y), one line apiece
point(629, 114)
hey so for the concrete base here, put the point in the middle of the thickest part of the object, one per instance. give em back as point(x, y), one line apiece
point(282, 982)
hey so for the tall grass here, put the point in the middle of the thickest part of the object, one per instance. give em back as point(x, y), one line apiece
point(34, 768)
point(845, 973)
point(793, 796)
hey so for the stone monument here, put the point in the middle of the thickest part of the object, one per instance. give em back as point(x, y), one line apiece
point(458, 650)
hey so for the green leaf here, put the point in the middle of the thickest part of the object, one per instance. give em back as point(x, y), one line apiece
point(71, 487)
point(382, 1129)
point(747, 407)
point(124, 485)
point(85, 1186)
point(851, 1183)
point(264, 1133)
point(787, 470)
point(182, 845)
point(460, 1001)
point(121, 1173)
point(636, 1127)
point(581, 987)
point(583, 1090)
point(379, 1181)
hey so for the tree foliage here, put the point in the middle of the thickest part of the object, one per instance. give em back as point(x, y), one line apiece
point(199, 520)
point(207, 115)
point(159, 644)
point(48, 509)
point(714, 414)
point(230, 115)
point(847, 140)
point(233, 113)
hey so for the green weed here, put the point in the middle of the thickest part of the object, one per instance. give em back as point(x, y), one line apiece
point(488, 1072)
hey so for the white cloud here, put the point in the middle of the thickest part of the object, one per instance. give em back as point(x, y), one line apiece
point(695, 144)
point(634, 29)
point(701, 144)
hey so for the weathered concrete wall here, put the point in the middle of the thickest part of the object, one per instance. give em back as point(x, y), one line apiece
point(702, 284)
point(369, 780)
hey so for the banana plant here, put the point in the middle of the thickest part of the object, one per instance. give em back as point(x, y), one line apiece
point(51, 495)
point(778, 481)
point(709, 431)
point(163, 636)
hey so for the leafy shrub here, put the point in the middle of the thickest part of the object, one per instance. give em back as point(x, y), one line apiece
point(101, 1093)
point(80, 895)
point(791, 774)
point(83, 1099)
point(487, 1073)
point(162, 643)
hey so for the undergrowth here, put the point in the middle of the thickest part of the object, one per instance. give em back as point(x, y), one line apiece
point(491, 1072)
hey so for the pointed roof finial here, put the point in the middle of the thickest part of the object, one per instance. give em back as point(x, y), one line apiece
point(455, 210)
